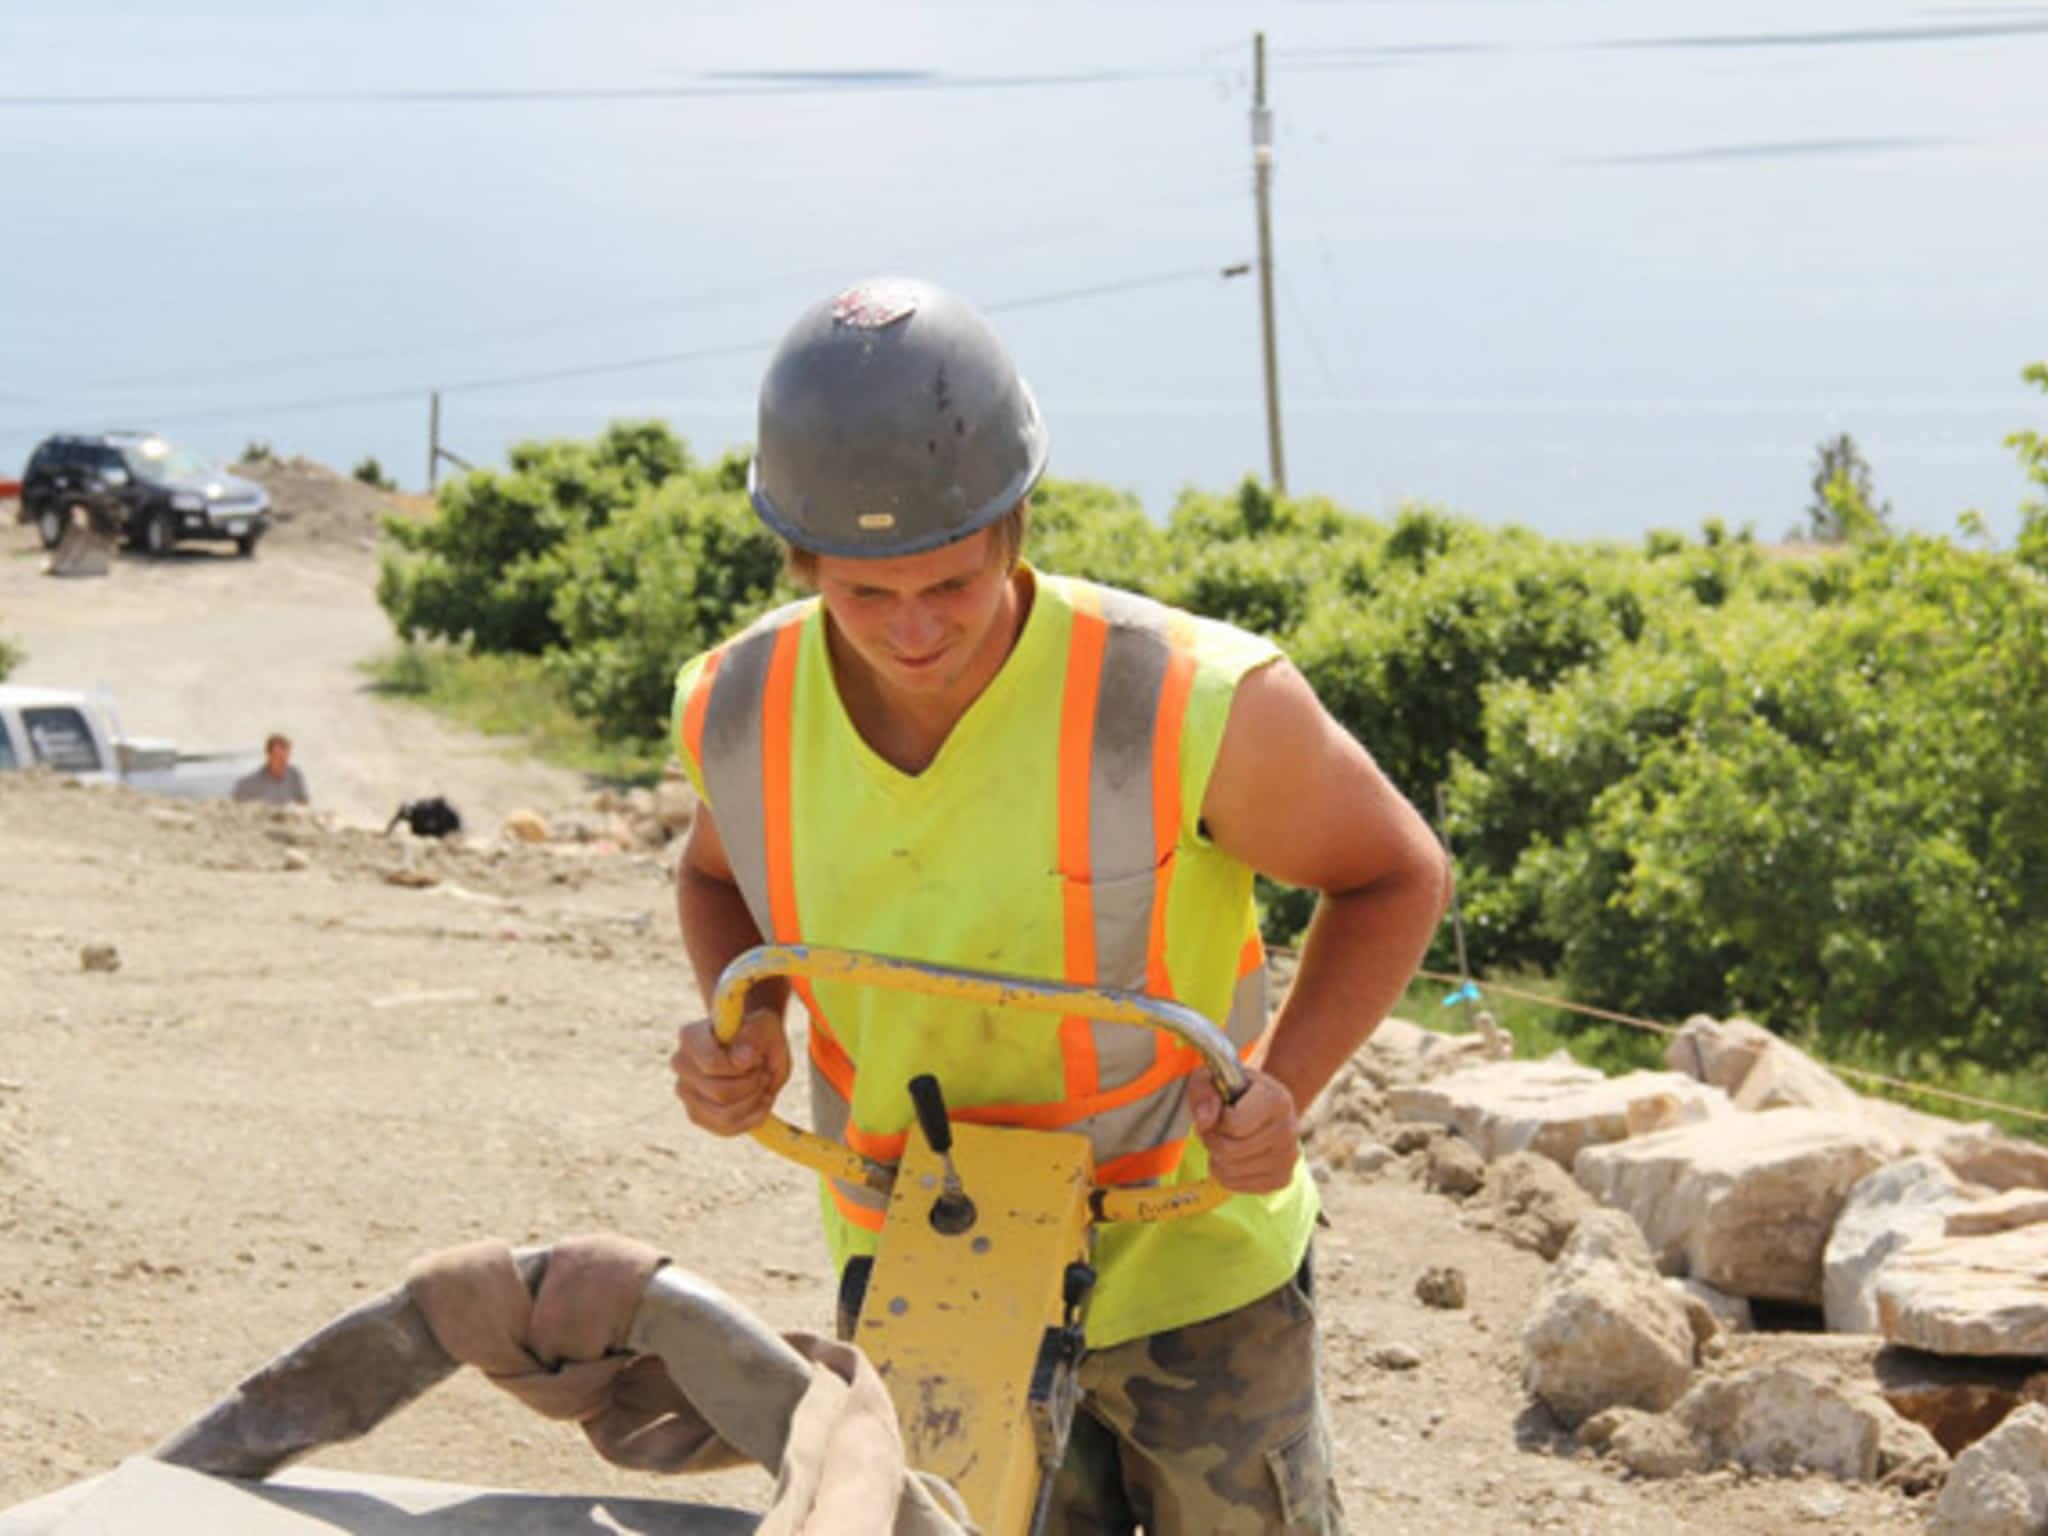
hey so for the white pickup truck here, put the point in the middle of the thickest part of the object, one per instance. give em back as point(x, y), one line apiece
point(77, 734)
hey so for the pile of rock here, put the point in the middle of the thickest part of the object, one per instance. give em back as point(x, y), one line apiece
point(637, 819)
point(1747, 1177)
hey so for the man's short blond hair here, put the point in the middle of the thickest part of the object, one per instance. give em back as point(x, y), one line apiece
point(801, 565)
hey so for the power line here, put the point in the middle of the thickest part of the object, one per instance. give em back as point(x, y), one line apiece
point(478, 384)
point(713, 87)
point(450, 340)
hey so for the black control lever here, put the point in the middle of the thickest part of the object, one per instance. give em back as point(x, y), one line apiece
point(952, 1213)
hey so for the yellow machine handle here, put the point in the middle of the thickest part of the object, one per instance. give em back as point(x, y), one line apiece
point(1112, 1005)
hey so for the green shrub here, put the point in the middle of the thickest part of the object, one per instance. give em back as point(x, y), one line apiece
point(371, 473)
point(1825, 815)
point(10, 657)
point(656, 584)
point(1079, 529)
point(478, 572)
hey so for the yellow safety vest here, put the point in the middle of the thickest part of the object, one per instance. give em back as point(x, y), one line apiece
point(1057, 834)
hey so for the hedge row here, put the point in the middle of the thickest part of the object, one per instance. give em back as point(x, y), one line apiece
point(1690, 774)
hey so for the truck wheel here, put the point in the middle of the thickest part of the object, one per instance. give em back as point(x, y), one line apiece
point(50, 525)
point(158, 537)
point(245, 546)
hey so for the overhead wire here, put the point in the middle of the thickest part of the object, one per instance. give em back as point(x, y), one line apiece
point(1136, 283)
point(452, 340)
point(1565, 1005)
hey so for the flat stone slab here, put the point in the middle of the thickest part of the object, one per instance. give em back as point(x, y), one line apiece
point(1743, 1202)
point(1969, 1295)
point(151, 1498)
point(1553, 1108)
point(2001, 1212)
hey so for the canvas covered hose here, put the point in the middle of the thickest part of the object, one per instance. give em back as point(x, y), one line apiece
point(661, 1370)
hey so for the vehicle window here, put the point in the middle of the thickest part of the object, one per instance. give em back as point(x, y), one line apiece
point(57, 735)
point(7, 761)
point(160, 461)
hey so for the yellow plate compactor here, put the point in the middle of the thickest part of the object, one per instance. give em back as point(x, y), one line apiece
point(973, 1309)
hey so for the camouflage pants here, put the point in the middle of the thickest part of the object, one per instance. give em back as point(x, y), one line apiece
point(1214, 1429)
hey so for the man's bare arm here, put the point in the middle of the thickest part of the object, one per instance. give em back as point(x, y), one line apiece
point(1297, 798)
point(726, 1089)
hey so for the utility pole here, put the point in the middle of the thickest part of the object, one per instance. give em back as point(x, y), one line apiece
point(1262, 183)
point(435, 452)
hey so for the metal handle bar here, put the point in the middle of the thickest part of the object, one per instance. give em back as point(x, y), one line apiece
point(1112, 1005)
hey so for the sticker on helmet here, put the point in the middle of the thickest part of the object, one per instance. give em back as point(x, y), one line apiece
point(875, 305)
point(877, 519)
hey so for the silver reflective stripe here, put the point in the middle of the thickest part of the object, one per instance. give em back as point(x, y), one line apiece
point(1160, 1116)
point(830, 1116)
point(1123, 861)
point(732, 760)
point(1247, 1019)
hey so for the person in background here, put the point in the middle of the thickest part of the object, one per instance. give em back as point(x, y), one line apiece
point(277, 782)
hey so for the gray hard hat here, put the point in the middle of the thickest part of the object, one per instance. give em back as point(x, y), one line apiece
point(892, 422)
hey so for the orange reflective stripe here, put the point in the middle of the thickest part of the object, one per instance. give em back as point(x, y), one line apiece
point(860, 1215)
point(882, 1146)
point(827, 1054)
point(1173, 707)
point(1252, 956)
point(1135, 1167)
point(887, 1146)
point(692, 729)
point(1077, 734)
point(776, 725)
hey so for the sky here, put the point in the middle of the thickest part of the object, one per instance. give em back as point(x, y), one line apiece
point(1589, 267)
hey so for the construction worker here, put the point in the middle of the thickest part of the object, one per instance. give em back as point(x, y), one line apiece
point(950, 756)
point(278, 781)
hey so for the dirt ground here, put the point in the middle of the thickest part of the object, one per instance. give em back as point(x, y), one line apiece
point(302, 1076)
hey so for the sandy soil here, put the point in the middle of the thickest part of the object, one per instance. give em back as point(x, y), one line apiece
point(303, 1076)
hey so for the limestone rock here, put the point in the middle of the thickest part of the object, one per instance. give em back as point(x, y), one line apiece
point(1535, 1203)
point(1662, 1111)
point(1884, 1211)
point(1352, 1101)
point(1400, 1052)
point(1416, 1138)
point(1780, 1419)
point(1969, 1295)
point(1604, 1332)
point(1369, 1158)
point(675, 803)
point(1958, 1401)
point(1755, 1068)
point(1550, 1107)
point(1651, 1445)
point(1999, 1486)
point(1785, 1077)
point(1441, 1286)
point(526, 826)
point(2000, 1213)
point(1713, 1312)
point(1454, 1167)
point(1982, 1154)
point(1743, 1202)
point(1716, 1052)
